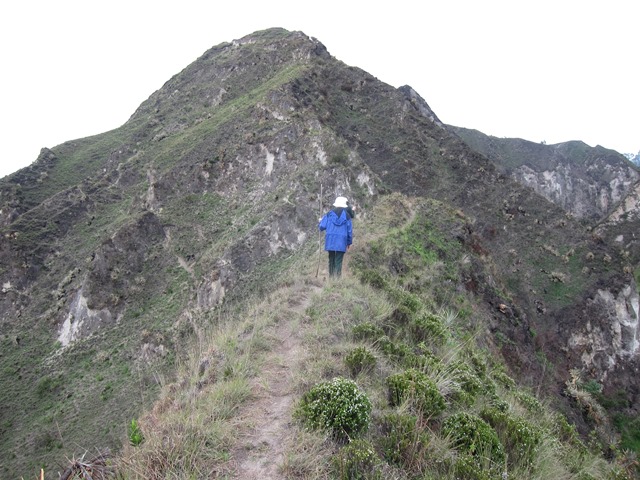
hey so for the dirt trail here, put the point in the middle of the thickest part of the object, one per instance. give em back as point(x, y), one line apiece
point(262, 451)
point(265, 421)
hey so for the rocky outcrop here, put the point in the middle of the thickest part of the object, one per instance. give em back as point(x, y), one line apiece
point(419, 103)
point(81, 321)
point(580, 197)
point(211, 291)
point(628, 209)
point(119, 262)
point(602, 345)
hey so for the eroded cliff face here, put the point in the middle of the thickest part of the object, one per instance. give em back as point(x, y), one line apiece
point(628, 210)
point(81, 321)
point(604, 344)
point(581, 197)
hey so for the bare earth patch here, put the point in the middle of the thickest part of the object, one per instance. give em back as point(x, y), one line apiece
point(266, 420)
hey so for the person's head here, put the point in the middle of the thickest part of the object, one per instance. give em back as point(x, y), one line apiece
point(341, 202)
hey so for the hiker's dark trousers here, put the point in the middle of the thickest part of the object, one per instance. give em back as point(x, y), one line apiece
point(335, 263)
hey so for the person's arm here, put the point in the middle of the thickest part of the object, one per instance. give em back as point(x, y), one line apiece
point(322, 226)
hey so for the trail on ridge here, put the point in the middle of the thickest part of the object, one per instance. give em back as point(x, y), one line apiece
point(266, 434)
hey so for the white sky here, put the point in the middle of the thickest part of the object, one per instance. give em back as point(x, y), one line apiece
point(552, 70)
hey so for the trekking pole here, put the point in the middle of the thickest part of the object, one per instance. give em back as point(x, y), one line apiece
point(319, 234)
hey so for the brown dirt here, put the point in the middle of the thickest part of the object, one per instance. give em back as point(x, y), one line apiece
point(266, 436)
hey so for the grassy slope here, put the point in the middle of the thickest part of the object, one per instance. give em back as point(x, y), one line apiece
point(204, 413)
point(83, 399)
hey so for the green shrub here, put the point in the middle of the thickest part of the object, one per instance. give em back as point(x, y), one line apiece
point(504, 379)
point(405, 300)
point(500, 405)
point(401, 315)
point(479, 362)
point(416, 387)
point(367, 331)
point(520, 438)
point(385, 345)
point(473, 436)
point(357, 461)
point(629, 427)
point(567, 432)
point(470, 384)
point(399, 441)
point(406, 305)
point(428, 327)
point(373, 277)
point(338, 407)
point(592, 387)
point(531, 403)
point(47, 385)
point(471, 468)
point(403, 354)
point(135, 434)
point(399, 352)
point(427, 357)
point(359, 359)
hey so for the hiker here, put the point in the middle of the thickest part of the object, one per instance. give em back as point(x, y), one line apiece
point(337, 223)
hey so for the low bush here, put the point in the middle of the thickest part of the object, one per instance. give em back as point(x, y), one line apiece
point(427, 357)
point(367, 331)
point(360, 359)
point(470, 467)
point(416, 387)
point(373, 277)
point(428, 327)
point(520, 438)
point(472, 436)
point(357, 461)
point(531, 403)
point(399, 441)
point(337, 407)
point(135, 434)
point(470, 384)
point(503, 379)
point(398, 352)
point(408, 302)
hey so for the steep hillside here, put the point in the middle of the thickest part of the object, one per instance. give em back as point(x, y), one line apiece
point(595, 185)
point(393, 355)
point(586, 182)
point(117, 250)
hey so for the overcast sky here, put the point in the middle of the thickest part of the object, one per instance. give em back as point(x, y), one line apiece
point(540, 70)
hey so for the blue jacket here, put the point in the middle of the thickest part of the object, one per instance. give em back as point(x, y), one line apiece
point(339, 229)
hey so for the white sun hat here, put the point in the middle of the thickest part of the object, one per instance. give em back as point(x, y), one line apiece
point(340, 202)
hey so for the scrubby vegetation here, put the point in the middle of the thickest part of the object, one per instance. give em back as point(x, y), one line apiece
point(435, 405)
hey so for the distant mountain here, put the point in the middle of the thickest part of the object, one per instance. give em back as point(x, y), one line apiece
point(119, 251)
point(633, 158)
point(587, 182)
